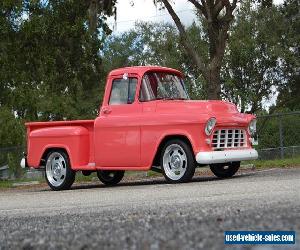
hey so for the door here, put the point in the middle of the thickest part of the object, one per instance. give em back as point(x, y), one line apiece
point(117, 129)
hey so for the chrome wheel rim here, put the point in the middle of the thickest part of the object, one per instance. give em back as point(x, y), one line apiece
point(174, 162)
point(56, 169)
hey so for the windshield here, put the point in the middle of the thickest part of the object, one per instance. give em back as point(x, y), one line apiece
point(161, 85)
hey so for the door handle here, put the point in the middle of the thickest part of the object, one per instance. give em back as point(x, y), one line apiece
point(106, 111)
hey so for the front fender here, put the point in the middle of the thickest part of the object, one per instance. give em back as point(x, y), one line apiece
point(152, 139)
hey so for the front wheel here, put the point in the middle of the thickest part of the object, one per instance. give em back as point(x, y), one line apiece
point(59, 174)
point(225, 170)
point(177, 161)
point(110, 177)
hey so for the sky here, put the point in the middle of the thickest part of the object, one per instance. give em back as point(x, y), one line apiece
point(131, 11)
point(145, 10)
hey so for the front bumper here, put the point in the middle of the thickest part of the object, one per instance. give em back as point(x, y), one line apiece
point(226, 156)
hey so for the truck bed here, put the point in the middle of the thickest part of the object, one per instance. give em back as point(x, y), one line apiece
point(58, 133)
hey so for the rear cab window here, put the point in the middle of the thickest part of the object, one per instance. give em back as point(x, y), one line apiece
point(123, 91)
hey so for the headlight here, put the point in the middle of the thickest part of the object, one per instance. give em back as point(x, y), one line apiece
point(210, 125)
point(252, 127)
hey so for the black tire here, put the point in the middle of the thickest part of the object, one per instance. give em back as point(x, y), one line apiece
point(110, 177)
point(67, 175)
point(185, 168)
point(225, 170)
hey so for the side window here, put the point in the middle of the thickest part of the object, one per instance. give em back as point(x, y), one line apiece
point(123, 91)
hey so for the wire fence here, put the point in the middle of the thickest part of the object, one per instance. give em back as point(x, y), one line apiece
point(278, 137)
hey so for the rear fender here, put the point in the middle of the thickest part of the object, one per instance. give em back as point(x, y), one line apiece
point(73, 139)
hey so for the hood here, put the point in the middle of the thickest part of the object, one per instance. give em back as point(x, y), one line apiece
point(203, 107)
point(225, 112)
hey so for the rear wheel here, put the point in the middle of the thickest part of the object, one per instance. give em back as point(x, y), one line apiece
point(59, 174)
point(177, 161)
point(225, 170)
point(110, 177)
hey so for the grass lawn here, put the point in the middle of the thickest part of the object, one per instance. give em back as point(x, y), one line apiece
point(5, 184)
point(281, 163)
point(14, 183)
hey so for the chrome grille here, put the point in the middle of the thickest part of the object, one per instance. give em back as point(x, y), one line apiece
point(229, 138)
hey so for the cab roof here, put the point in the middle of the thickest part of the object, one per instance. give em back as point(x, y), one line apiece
point(141, 70)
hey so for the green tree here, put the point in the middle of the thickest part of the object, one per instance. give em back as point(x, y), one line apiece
point(252, 71)
point(12, 131)
point(289, 96)
point(50, 56)
point(11, 135)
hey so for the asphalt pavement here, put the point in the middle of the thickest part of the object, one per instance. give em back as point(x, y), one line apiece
point(150, 214)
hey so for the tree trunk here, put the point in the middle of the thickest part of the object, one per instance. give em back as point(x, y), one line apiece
point(218, 26)
point(185, 41)
point(213, 81)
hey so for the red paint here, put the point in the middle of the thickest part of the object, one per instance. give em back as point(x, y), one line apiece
point(127, 136)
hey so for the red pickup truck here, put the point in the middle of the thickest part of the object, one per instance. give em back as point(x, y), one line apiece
point(146, 121)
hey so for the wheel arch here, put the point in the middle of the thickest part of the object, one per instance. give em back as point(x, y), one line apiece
point(164, 140)
point(50, 148)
